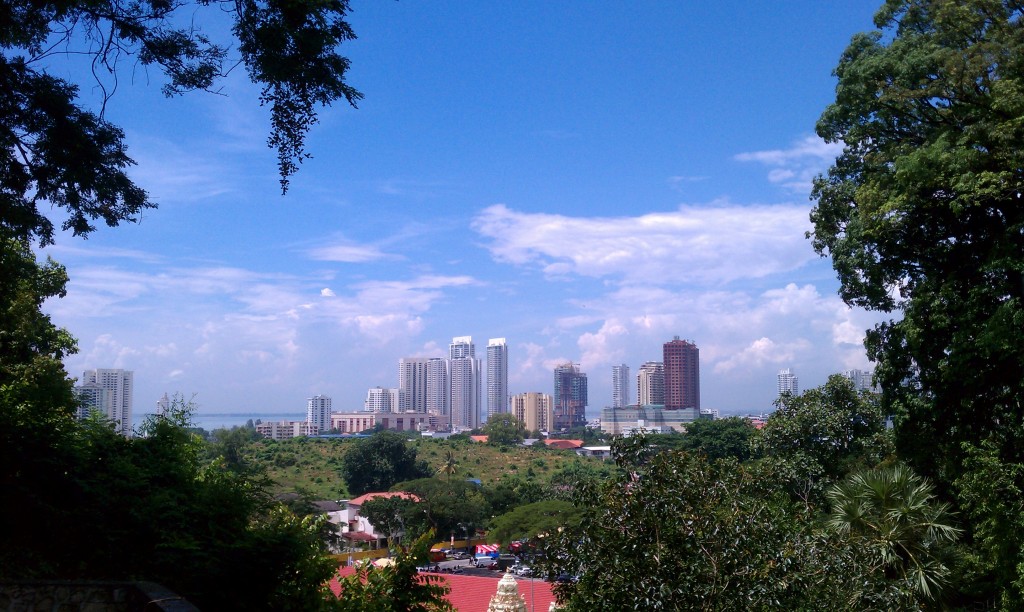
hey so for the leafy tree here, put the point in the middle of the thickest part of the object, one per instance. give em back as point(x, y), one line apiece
point(531, 520)
point(720, 438)
point(922, 217)
point(821, 435)
point(892, 512)
point(397, 587)
point(991, 495)
point(378, 462)
point(448, 507)
point(504, 430)
point(676, 532)
point(394, 517)
point(511, 492)
point(55, 151)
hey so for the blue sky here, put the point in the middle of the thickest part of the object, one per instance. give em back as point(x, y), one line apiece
point(585, 179)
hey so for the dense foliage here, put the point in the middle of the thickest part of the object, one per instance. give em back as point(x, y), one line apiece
point(922, 216)
point(504, 430)
point(378, 462)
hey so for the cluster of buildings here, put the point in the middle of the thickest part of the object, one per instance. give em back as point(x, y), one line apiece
point(455, 393)
point(667, 393)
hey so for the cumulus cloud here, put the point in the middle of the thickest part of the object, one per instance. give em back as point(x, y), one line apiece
point(326, 292)
point(763, 351)
point(712, 244)
point(795, 167)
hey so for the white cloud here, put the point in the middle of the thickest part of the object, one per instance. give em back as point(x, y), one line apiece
point(795, 167)
point(347, 253)
point(712, 244)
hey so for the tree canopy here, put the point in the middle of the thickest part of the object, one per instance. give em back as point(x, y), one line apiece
point(378, 462)
point(504, 430)
point(922, 215)
point(57, 152)
point(720, 438)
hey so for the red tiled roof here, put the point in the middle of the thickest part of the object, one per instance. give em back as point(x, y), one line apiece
point(478, 438)
point(367, 496)
point(359, 535)
point(473, 593)
point(564, 444)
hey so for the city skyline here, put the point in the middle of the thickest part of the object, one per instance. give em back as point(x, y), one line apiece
point(584, 180)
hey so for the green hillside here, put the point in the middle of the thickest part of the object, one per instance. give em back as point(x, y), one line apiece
point(311, 465)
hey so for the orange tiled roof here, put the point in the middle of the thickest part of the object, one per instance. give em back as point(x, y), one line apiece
point(478, 438)
point(359, 501)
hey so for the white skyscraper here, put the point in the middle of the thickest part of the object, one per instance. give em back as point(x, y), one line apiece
point(464, 377)
point(412, 383)
point(318, 412)
point(438, 389)
point(650, 384)
point(620, 386)
point(119, 384)
point(163, 405)
point(788, 382)
point(497, 376)
point(862, 381)
point(379, 399)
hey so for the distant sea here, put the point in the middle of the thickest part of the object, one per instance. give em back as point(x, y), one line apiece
point(227, 420)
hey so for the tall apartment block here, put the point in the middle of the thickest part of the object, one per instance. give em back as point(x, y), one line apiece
point(117, 405)
point(412, 384)
point(534, 411)
point(788, 382)
point(318, 412)
point(464, 377)
point(379, 399)
point(570, 397)
point(439, 390)
point(620, 386)
point(497, 376)
point(682, 375)
point(650, 384)
point(862, 381)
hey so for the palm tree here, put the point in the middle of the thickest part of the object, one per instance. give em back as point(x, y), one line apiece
point(892, 512)
point(450, 465)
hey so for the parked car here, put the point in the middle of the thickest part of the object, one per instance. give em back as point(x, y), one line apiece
point(458, 555)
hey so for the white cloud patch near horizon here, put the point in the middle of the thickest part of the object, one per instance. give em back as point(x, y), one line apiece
point(713, 244)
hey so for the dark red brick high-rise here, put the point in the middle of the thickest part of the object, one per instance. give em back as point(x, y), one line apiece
point(682, 375)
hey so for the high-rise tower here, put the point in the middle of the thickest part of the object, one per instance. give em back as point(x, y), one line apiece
point(412, 384)
point(620, 386)
point(570, 397)
point(497, 376)
point(464, 377)
point(650, 384)
point(119, 385)
point(318, 412)
point(788, 382)
point(682, 375)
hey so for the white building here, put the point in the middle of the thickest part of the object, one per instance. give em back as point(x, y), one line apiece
point(318, 412)
point(163, 405)
point(439, 391)
point(497, 376)
point(788, 382)
point(379, 399)
point(412, 384)
point(464, 377)
point(650, 384)
point(862, 381)
point(283, 430)
point(119, 384)
point(620, 386)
